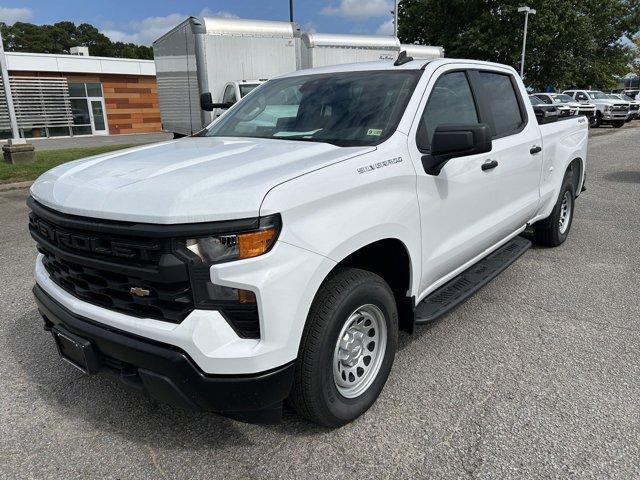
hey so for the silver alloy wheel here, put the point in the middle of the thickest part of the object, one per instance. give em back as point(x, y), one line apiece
point(565, 212)
point(359, 351)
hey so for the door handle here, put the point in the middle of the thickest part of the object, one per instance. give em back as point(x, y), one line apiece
point(489, 164)
point(535, 149)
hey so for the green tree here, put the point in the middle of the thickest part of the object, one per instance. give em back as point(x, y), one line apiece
point(570, 43)
point(61, 36)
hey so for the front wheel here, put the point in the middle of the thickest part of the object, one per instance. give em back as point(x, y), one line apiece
point(347, 349)
point(553, 230)
point(618, 123)
point(597, 120)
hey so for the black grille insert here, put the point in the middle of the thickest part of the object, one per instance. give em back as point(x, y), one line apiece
point(129, 274)
point(165, 301)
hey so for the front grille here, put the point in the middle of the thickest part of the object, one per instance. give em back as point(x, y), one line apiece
point(107, 269)
point(165, 301)
point(635, 108)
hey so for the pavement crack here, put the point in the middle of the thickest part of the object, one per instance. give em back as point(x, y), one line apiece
point(155, 463)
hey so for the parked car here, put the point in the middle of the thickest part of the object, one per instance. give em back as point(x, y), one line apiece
point(608, 111)
point(634, 105)
point(586, 109)
point(633, 93)
point(544, 112)
point(259, 261)
point(566, 109)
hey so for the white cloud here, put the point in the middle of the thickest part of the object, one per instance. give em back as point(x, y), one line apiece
point(360, 8)
point(145, 31)
point(386, 28)
point(309, 27)
point(207, 12)
point(13, 15)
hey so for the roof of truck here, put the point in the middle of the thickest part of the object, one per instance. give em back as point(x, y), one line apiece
point(388, 65)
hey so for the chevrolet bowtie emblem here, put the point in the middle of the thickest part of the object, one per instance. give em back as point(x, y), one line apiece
point(139, 291)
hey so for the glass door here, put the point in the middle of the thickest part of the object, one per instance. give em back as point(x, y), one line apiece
point(98, 118)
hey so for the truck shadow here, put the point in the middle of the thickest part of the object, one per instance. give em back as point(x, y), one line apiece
point(111, 407)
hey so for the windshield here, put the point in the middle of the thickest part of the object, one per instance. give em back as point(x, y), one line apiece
point(626, 97)
point(536, 101)
point(598, 95)
point(345, 109)
point(561, 98)
point(613, 97)
point(246, 88)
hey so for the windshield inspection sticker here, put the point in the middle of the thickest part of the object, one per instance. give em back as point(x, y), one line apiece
point(375, 166)
point(374, 131)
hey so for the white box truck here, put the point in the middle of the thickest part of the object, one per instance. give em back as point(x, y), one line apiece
point(422, 52)
point(206, 64)
point(206, 54)
point(324, 49)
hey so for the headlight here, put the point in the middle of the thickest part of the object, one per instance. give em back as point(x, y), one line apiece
point(238, 306)
point(224, 248)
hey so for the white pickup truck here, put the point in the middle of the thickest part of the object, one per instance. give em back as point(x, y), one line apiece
point(277, 254)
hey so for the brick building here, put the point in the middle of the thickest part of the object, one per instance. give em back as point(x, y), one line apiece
point(70, 95)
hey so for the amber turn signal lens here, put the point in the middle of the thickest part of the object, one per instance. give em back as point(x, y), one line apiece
point(256, 243)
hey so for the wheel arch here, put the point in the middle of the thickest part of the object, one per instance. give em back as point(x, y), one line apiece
point(576, 168)
point(390, 259)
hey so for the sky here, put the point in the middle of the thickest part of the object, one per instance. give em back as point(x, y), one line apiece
point(142, 21)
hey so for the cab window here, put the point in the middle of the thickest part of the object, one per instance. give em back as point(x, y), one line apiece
point(545, 99)
point(502, 101)
point(451, 101)
point(229, 95)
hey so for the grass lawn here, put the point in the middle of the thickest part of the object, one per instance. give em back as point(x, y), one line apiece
point(47, 159)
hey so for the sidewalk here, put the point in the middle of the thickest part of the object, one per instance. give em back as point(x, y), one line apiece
point(59, 143)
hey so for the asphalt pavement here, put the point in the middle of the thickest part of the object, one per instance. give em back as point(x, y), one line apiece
point(536, 376)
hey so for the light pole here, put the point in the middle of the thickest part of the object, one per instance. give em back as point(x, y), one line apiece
point(395, 19)
point(527, 11)
point(7, 93)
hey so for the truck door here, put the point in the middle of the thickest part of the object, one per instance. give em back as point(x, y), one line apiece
point(458, 205)
point(517, 147)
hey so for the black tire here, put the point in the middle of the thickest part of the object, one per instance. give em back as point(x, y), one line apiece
point(547, 232)
point(597, 120)
point(618, 123)
point(315, 394)
point(177, 136)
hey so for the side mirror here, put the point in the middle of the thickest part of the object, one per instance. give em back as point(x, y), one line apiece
point(456, 140)
point(206, 103)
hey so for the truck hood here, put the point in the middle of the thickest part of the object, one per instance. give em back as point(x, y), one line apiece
point(194, 179)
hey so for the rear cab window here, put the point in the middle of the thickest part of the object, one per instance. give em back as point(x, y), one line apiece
point(504, 103)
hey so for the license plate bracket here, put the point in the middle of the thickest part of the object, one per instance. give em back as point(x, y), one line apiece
point(75, 350)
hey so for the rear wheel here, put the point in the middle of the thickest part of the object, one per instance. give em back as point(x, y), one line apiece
point(347, 348)
point(618, 123)
point(553, 230)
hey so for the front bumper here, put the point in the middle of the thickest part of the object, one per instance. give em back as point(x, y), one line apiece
point(613, 116)
point(168, 374)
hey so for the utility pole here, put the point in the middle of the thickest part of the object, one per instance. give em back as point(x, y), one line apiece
point(395, 19)
point(291, 11)
point(7, 92)
point(527, 11)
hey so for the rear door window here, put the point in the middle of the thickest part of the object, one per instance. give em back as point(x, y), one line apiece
point(502, 101)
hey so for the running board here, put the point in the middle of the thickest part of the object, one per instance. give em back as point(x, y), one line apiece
point(457, 290)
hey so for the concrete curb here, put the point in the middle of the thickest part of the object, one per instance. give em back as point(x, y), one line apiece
point(5, 187)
